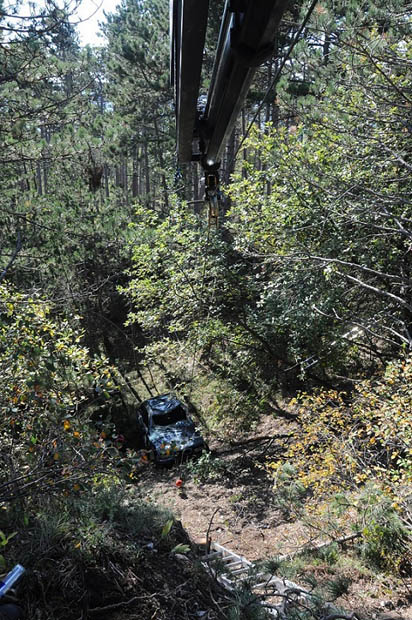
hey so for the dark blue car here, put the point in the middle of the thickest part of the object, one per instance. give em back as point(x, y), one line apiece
point(167, 429)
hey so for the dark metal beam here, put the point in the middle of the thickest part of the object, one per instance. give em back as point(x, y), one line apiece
point(189, 19)
point(246, 40)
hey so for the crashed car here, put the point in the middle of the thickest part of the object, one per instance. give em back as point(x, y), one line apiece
point(167, 429)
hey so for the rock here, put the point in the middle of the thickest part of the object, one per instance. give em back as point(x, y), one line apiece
point(180, 556)
point(387, 604)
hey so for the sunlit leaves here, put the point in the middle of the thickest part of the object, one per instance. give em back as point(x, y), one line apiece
point(344, 442)
point(46, 379)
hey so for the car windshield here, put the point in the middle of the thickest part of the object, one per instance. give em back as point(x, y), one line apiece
point(170, 417)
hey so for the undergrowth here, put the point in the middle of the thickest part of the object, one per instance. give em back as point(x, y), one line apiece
point(102, 548)
point(348, 469)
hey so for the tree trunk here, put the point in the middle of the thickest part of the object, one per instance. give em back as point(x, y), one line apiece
point(244, 151)
point(326, 48)
point(135, 173)
point(162, 165)
point(146, 171)
point(125, 180)
point(106, 179)
point(268, 104)
point(39, 182)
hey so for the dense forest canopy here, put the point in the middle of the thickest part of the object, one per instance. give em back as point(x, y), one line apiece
point(112, 286)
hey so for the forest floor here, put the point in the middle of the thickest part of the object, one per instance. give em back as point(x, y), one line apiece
point(235, 505)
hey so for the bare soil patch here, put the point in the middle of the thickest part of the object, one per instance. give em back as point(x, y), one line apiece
point(238, 506)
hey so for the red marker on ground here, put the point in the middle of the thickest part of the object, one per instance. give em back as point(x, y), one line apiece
point(179, 483)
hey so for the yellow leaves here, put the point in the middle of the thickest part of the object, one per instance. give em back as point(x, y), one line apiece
point(340, 441)
point(66, 425)
point(76, 434)
point(56, 456)
point(275, 465)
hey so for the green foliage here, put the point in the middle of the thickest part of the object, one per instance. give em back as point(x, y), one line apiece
point(352, 460)
point(136, 65)
point(166, 528)
point(246, 606)
point(47, 379)
point(98, 540)
point(4, 540)
point(325, 233)
point(384, 535)
point(206, 468)
point(181, 549)
point(329, 554)
point(342, 444)
point(53, 148)
point(337, 587)
point(289, 491)
point(190, 294)
point(309, 278)
point(111, 501)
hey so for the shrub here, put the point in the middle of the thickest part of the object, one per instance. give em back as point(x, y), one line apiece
point(206, 468)
point(344, 442)
point(47, 379)
point(384, 536)
point(289, 491)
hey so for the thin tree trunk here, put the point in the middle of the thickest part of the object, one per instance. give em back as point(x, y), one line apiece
point(141, 173)
point(162, 165)
point(39, 179)
point(244, 151)
point(135, 174)
point(146, 171)
point(230, 156)
point(195, 182)
point(268, 105)
point(275, 107)
point(257, 156)
point(326, 48)
point(125, 179)
point(106, 179)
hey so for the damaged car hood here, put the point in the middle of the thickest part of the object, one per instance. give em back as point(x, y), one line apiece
point(175, 437)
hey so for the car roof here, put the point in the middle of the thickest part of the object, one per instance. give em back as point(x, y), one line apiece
point(162, 404)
